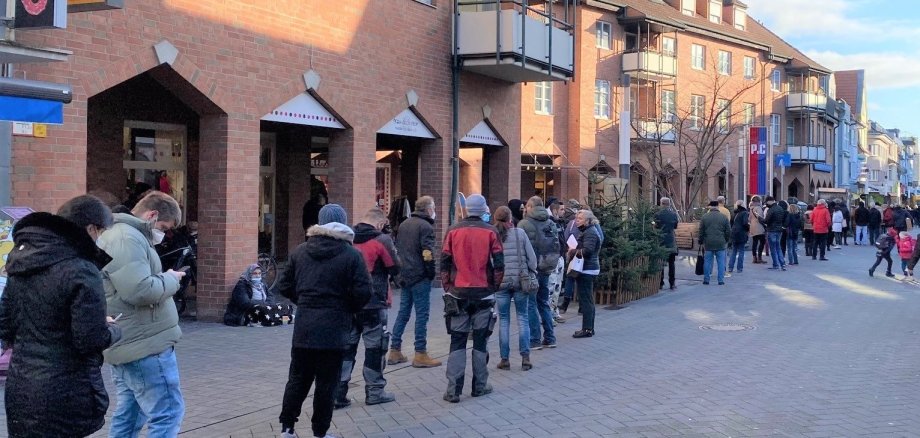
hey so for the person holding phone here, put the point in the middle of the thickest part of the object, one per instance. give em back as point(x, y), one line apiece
point(53, 316)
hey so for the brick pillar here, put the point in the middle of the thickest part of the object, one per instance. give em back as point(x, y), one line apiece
point(352, 170)
point(227, 208)
point(435, 165)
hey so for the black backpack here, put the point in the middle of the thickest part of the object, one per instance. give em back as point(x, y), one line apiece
point(883, 243)
point(546, 245)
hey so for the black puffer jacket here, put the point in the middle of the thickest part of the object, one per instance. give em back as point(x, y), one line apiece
point(776, 219)
point(589, 242)
point(53, 314)
point(328, 281)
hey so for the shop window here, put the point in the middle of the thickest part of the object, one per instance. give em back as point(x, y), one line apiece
point(155, 155)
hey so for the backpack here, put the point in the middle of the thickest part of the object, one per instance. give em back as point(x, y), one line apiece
point(546, 245)
point(906, 245)
point(883, 242)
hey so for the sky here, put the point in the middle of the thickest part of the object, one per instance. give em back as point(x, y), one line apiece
point(879, 36)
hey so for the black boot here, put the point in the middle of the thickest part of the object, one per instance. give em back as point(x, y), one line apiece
point(341, 396)
point(565, 304)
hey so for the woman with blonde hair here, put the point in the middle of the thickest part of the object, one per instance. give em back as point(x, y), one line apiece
point(589, 246)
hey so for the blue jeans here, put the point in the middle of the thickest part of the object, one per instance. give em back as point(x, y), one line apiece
point(791, 248)
point(419, 295)
point(776, 253)
point(521, 303)
point(707, 265)
point(540, 313)
point(737, 254)
point(148, 392)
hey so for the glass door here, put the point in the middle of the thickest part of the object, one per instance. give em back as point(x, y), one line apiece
point(155, 158)
point(267, 141)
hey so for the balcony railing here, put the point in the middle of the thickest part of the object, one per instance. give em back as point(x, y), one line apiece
point(515, 42)
point(808, 153)
point(650, 130)
point(803, 101)
point(654, 65)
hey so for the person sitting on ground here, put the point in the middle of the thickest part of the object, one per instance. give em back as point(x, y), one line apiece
point(252, 303)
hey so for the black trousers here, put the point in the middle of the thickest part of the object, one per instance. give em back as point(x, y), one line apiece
point(671, 259)
point(820, 245)
point(758, 243)
point(879, 256)
point(809, 236)
point(307, 366)
point(782, 242)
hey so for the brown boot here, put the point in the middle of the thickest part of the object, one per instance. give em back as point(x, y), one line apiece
point(422, 360)
point(396, 357)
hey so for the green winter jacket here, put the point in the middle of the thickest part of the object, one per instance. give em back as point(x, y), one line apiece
point(136, 288)
point(714, 231)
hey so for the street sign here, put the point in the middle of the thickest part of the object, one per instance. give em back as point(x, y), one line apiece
point(784, 160)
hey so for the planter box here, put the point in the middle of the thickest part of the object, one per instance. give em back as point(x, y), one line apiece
point(648, 285)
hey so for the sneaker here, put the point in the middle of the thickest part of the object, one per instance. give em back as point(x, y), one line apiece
point(289, 433)
point(452, 398)
point(872, 272)
point(536, 346)
point(504, 364)
point(548, 344)
point(486, 390)
point(783, 268)
point(525, 363)
point(728, 274)
point(379, 399)
point(559, 319)
point(730, 271)
point(721, 283)
point(583, 334)
point(889, 275)
point(341, 404)
point(706, 283)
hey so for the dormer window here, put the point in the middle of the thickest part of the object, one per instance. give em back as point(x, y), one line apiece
point(740, 19)
point(715, 11)
point(688, 7)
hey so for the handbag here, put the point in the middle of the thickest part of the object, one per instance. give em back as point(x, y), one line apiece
point(526, 277)
point(700, 261)
point(576, 265)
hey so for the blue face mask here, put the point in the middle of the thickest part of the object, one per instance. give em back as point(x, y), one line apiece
point(486, 217)
point(256, 280)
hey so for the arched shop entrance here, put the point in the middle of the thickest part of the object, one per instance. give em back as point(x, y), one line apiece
point(398, 173)
point(480, 151)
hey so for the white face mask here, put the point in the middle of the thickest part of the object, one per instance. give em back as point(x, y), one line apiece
point(433, 215)
point(157, 236)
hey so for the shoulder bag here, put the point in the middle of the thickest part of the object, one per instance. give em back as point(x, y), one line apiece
point(527, 278)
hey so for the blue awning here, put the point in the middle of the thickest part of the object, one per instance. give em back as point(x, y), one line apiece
point(22, 109)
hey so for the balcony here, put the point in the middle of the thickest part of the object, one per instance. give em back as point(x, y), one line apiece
point(514, 42)
point(654, 131)
point(807, 102)
point(650, 65)
point(807, 154)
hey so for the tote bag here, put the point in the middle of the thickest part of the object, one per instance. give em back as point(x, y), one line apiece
point(700, 261)
point(577, 264)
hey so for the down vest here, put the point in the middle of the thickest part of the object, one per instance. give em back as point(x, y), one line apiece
point(519, 255)
point(53, 314)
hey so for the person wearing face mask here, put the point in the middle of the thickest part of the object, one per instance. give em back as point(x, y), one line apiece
point(53, 315)
point(144, 367)
point(252, 303)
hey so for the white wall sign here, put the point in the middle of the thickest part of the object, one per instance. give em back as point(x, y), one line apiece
point(303, 109)
point(482, 134)
point(407, 124)
point(23, 128)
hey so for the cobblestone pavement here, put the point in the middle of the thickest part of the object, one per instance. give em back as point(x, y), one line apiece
point(831, 353)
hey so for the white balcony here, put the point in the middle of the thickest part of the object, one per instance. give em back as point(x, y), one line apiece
point(808, 153)
point(653, 131)
point(652, 65)
point(515, 46)
point(806, 102)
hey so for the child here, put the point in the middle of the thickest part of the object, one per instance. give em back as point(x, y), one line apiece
point(905, 249)
point(885, 243)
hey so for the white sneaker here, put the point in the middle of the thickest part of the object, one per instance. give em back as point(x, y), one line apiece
point(291, 434)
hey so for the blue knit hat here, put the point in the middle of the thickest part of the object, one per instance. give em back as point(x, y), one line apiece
point(332, 213)
point(476, 205)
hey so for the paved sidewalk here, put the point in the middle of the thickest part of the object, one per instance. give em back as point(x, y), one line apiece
point(831, 353)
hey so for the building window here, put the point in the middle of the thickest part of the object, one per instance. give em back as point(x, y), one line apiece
point(825, 84)
point(724, 107)
point(543, 98)
point(668, 107)
point(790, 132)
point(874, 175)
point(740, 19)
point(602, 99)
point(725, 63)
point(774, 129)
point(715, 11)
point(668, 46)
point(603, 30)
point(631, 42)
point(748, 67)
point(873, 150)
point(749, 114)
point(688, 7)
point(697, 104)
point(697, 56)
point(776, 80)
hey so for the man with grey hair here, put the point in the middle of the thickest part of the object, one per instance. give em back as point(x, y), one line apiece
point(723, 209)
point(666, 222)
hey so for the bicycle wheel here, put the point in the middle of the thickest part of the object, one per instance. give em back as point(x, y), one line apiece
point(269, 270)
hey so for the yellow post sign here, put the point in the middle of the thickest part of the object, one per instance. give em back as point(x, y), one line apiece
point(93, 5)
point(40, 130)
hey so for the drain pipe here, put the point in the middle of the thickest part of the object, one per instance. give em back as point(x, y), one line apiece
point(6, 128)
point(455, 122)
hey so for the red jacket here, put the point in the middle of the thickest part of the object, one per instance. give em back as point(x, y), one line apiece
point(472, 260)
point(821, 219)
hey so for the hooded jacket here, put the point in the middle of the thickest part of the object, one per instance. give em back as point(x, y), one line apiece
point(53, 314)
point(821, 219)
point(328, 281)
point(415, 245)
point(757, 218)
point(380, 257)
point(241, 299)
point(136, 287)
point(472, 260)
point(535, 221)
